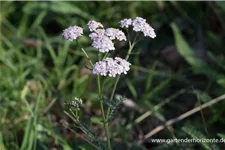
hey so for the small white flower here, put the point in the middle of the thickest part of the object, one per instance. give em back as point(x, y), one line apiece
point(101, 41)
point(111, 67)
point(100, 68)
point(77, 103)
point(97, 34)
point(148, 31)
point(113, 34)
point(125, 23)
point(93, 25)
point(72, 33)
point(104, 44)
point(140, 24)
point(123, 63)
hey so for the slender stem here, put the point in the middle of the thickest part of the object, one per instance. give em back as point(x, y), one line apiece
point(103, 84)
point(117, 80)
point(105, 55)
point(101, 102)
point(136, 36)
point(130, 50)
point(99, 86)
point(87, 57)
point(111, 97)
point(103, 113)
point(105, 126)
point(128, 36)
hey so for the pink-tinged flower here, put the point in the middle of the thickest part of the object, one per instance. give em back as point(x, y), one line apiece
point(100, 68)
point(72, 33)
point(140, 24)
point(124, 64)
point(104, 44)
point(113, 34)
point(97, 34)
point(148, 31)
point(93, 25)
point(111, 67)
point(125, 23)
point(101, 41)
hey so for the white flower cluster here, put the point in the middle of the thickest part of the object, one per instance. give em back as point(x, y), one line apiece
point(139, 25)
point(125, 23)
point(102, 39)
point(93, 25)
point(111, 67)
point(113, 34)
point(72, 33)
point(101, 42)
point(77, 103)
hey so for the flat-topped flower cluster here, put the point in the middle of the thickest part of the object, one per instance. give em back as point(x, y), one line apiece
point(139, 25)
point(72, 33)
point(111, 67)
point(103, 40)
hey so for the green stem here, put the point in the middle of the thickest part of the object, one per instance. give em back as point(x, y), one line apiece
point(105, 55)
point(87, 57)
point(106, 127)
point(101, 103)
point(111, 97)
point(130, 50)
point(117, 80)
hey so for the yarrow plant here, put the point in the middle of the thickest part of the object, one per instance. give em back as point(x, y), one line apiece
point(104, 39)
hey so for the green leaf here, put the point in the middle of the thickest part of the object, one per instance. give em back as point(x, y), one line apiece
point(221, 135)
point(39, 19)
point(218, 61)
point(185, 50)
point(159, 88)
point(61, 7)
point(195, 134)
point(131, 88)
point(221, 81)
point(113, 105)
point(97, 120)
point(198, 64)
point(150, 77)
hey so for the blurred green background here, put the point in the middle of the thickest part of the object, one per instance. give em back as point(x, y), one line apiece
point(180, 69)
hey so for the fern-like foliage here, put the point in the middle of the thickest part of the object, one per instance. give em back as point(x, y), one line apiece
point(113, 105)
point(86, 128)
point(196, 134)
